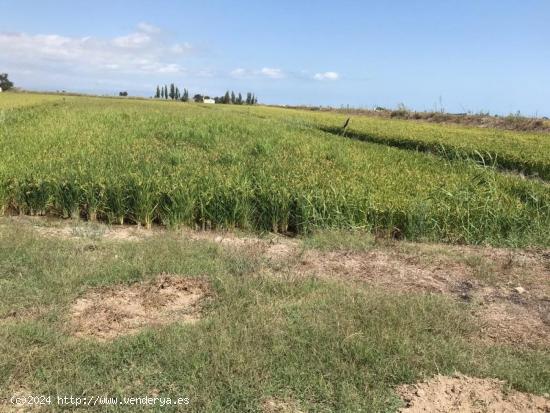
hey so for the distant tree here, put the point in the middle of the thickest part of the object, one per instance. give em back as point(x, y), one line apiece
point(249, 98)
point(198, 98)
point(165, 92)
point(162, 93)
point(172, 93)
point(226, 98)
point(233, 99)
point(254, 99)
point(177, 93)
point(240, 99)
point(5, 83)
point(157, 93)
point(185, 96)
point(124, 93)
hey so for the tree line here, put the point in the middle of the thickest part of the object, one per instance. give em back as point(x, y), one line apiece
point(173, 92)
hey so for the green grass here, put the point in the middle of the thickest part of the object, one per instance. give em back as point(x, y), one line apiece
point(260, 169)
point(329, 345)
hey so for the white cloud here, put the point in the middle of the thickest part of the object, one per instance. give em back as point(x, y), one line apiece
point(239, 73)
point(147, 66)
point(148, 28)
point(133, 40)
point(181, 48)
point(141, 52)
point(268, 72)
point(326, 76)
point(275, 73)
point(272, 73)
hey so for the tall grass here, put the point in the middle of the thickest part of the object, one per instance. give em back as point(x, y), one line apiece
point(254, 168)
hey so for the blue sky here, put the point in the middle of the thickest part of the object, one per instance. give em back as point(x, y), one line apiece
point(466, 55)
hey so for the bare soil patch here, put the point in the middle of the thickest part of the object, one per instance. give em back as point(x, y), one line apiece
point(509, 289)
point(107, 313)
point(443, 394)
point(228, 239)
point(122, 233)
point(273, 405)
point(75, 229)
point(514, 324)
point(437, 268)
point(274, 247)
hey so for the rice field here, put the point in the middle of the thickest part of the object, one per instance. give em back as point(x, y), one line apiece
point(15, 100)
point(267, 169)
point(524, 152)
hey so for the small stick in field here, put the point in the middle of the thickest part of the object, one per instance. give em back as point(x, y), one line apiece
point(344, 128)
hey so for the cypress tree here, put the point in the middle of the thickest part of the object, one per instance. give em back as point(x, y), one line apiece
point(233, 100)
point(226, 98)
point(240, 99)
point(157, 94)
point(165, 92)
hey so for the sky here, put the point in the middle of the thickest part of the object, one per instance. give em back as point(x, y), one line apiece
point(460, 56)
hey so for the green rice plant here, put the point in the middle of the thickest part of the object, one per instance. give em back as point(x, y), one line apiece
point(268, 169)
point(528, 153)
point(116, 203)
point(66, 198)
